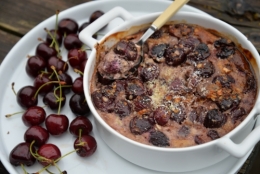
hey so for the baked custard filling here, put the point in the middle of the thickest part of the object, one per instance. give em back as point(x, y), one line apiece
point(192, 87)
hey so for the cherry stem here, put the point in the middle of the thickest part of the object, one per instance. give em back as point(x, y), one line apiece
point(25, 172)
point(78, 71)
point(56, 44)
point(9, 115)
point(13, 88)
point(54, 70)
point(81, 143)
point(36, 93)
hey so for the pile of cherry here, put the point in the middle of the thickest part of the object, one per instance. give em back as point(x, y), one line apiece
point(51, 81)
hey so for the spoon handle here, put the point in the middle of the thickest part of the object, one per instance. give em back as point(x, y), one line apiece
point(168, 13)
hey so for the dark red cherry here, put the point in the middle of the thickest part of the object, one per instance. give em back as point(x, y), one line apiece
point(213, 134)
point(57, 124)
point(174, 56)
point(180, 30)
point(158, 138)
point(86, 145)
point(80, 123)
point(224, 48)
point(134, 88)
point(21, 155)
point(237, 113)
point(95, 15)
point(43, 79)
point(50, 152)
point(72, 41)
point(201, 52)
point(58, 63)
point(38, 134)
point(84, 25)
point(139, 125)
point(76, 57)
point(161, 115)
point(26, 97)
point(67, 26)
point(83, 65)
point(204, 69)
point(102, 102)
point(57, 35)
point(79, 105)
point(65, 77)
point(142, 102)
point(52, 101)
point(214, 119)
point(45, 51)
point(123, 108)
point(198, 139)
point(149, 72)
point(178, 114)
point(35, 65)
point(157, 52)
point(77, 86)
point(126, 49)
point(35, 115)
point(224, 81)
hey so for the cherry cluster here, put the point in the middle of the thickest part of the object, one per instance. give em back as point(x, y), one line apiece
point(52, 82)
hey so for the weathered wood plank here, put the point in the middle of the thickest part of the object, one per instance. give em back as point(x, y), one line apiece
point(7, 41)
point(20, 18)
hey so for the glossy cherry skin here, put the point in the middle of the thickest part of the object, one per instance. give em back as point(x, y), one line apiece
point(21, 155)
point(50, 152)
point(84, 25)
point(76, 57)
point(72, 41)
point(38, 134)
point(86, 145)
point(35, 115)
point(77, 86)
point(65, 77)
point(41, 80)
point(79, 105)
point(57, 35)
point(83, 65)
point(35, 65)
point(45, 51)
point(68, 26)
point(80, 123)
point(25, 97)
point(95, 15)
point(57, 124)
point(58, 63)
point(52, 102)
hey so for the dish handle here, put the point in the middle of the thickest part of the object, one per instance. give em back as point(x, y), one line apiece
point(241, 149)
point(86, 34)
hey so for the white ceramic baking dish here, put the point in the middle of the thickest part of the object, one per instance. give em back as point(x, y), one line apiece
point(236, 143)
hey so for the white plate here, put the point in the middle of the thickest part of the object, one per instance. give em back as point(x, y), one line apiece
point(104, 161)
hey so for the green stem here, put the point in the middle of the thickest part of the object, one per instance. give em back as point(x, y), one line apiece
point(13, 88)
point(78, 71)
point(9, 115)
point(36, 93)
point(52, 67)
point(25, 172)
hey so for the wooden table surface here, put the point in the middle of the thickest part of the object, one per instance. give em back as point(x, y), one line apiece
point(19, 17)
